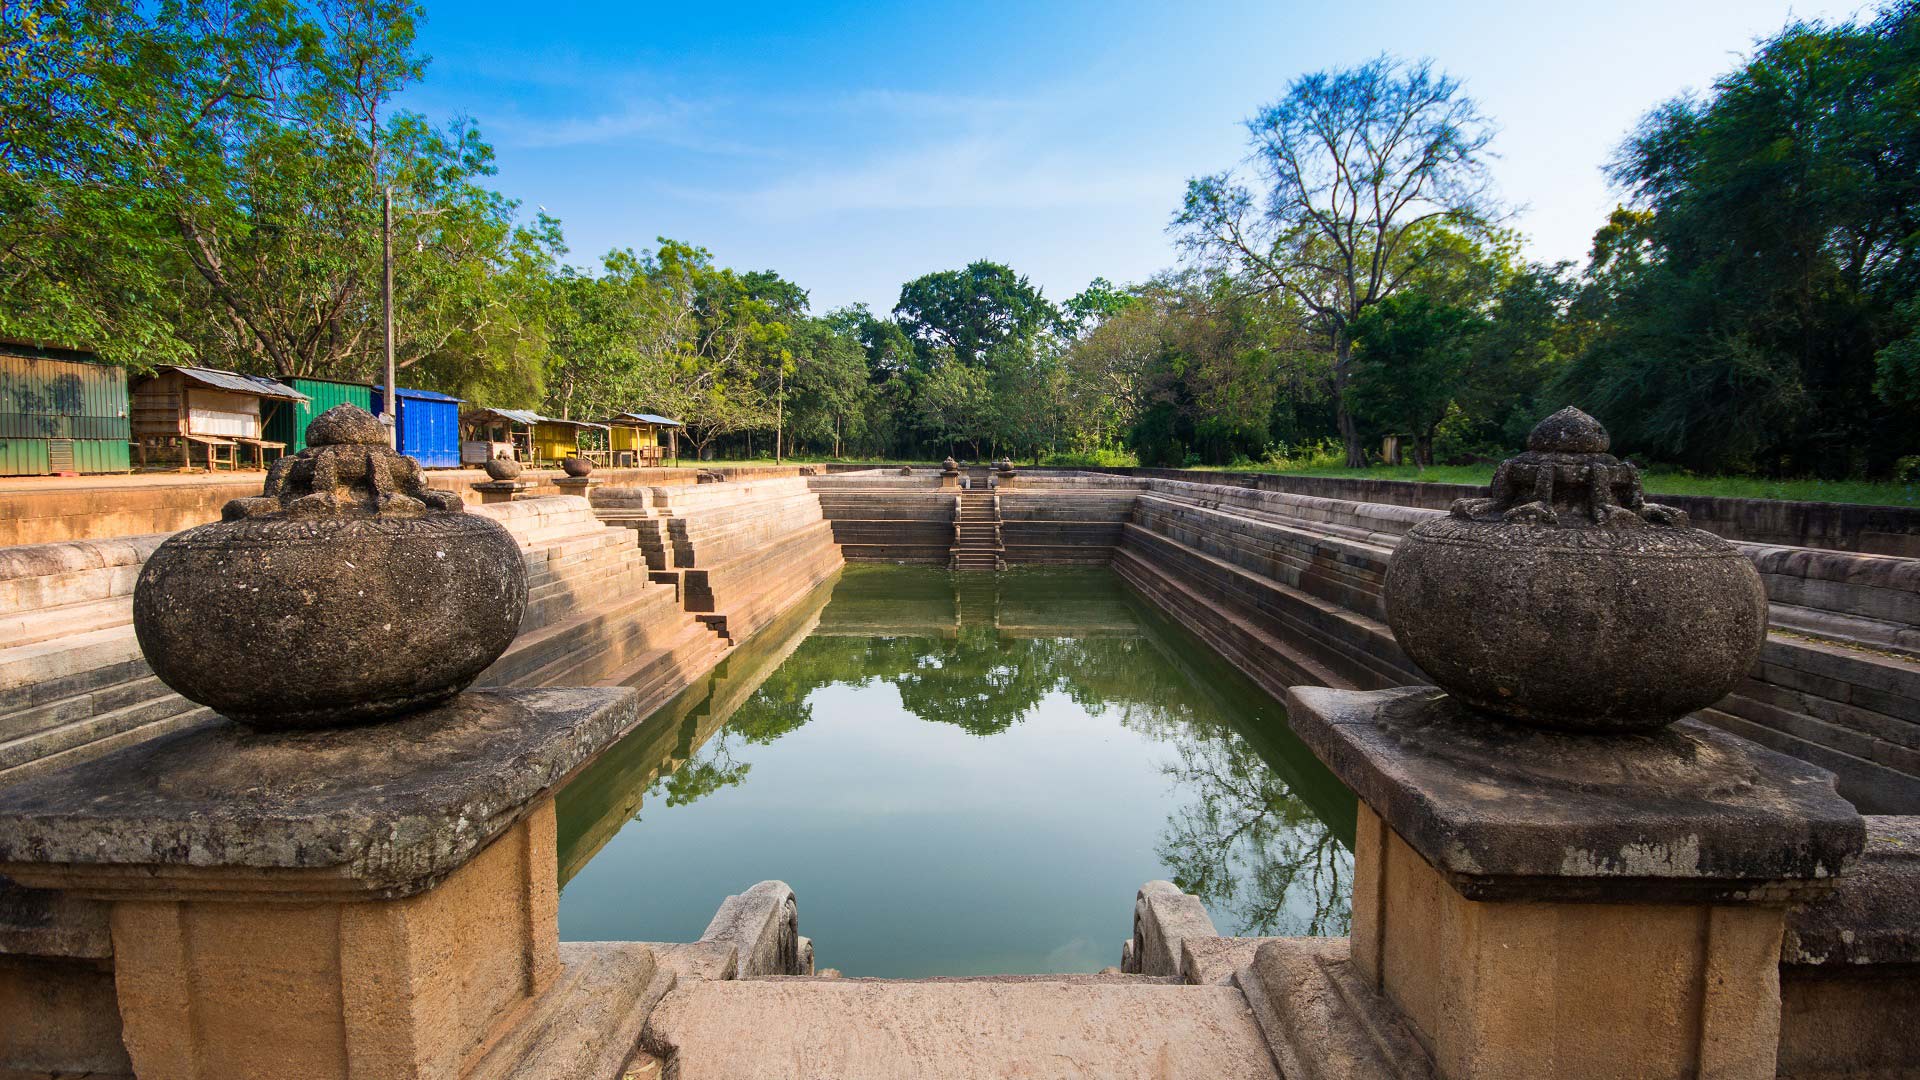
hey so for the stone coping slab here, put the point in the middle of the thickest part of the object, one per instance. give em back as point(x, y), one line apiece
point(1873, 918)
point(384, 810)
point(1686, 814)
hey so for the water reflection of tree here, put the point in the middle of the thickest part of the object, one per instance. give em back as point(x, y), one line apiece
point(1246, 846)
point(1245, 841)
point(697, 778)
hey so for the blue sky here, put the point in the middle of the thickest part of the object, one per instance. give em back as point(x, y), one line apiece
point(852, 147)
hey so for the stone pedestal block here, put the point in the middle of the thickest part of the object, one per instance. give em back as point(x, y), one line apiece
point(374, 902)
point(950, 481)
point(1543, 904)
point(578, 485)
point(499, 491)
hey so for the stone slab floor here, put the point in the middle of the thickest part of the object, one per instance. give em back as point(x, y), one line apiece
point(1016, 1026)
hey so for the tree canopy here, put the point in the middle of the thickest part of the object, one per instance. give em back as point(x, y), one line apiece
point(204, 180)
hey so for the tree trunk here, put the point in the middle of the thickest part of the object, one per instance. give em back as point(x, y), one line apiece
point(1349, 431)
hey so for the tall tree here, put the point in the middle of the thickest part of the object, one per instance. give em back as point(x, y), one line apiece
point(1744, 304)
point(205, 178)
point(969, 312)
point(1351, 164)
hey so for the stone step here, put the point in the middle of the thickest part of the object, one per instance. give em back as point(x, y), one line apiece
point(655, 672)
point(961, 1030)
point(73, 655)
point(539, 649)
point(46, 624)
point(80, 705)
point(91, 728)
point(87, 751)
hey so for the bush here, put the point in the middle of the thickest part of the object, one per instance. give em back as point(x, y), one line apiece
point(1319, 454)
point(1093, 459)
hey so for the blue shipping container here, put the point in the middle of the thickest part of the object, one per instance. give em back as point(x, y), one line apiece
point(429, 425)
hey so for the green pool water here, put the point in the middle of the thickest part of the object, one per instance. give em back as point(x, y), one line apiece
point(960, 774)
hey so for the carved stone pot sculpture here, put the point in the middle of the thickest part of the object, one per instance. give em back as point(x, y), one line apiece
point(503, 468)
point(576, 466)
point(1565, 600)
point(349, 591)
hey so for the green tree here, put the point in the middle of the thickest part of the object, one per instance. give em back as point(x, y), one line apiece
point(831, 385)
point(956, 402)
point(1412, 357)
point(199, 179)
point(1746, 309)
point(970, 312)
point(1351, 165)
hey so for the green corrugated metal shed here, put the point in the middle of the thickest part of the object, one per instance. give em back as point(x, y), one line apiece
point(289, 421)
point(61, 410)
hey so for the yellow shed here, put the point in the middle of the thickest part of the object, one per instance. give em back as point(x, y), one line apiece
point(642, 438)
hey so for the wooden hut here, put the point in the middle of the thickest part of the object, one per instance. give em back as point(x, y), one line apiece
point(220, 416)
point(555, 439)
point(62, 411)
point(526, 436)
point(490, 433)
point(642, 439)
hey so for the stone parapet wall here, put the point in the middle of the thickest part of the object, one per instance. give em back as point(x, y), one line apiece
point(1876, 530)
point(55, 509)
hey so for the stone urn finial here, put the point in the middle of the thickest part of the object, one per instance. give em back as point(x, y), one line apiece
point(1005, 466)
point(1564, 599)
point(950, 467)
point(502, 468)
point(347, 591)
point(576, 465)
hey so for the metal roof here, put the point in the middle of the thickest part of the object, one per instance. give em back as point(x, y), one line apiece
point(417, 395)
point(530, 418)
point(257, 385)
point(647, 418)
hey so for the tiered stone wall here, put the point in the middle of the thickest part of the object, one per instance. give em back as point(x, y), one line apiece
point(1289, 587)
point(882, 516)
point(72, 681)
point(741, 552)
point(1062, 519)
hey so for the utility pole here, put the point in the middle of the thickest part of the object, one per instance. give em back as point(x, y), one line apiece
point(780, 415)
point(386, 303)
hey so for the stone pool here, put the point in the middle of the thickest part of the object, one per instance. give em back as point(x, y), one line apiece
point(960, 774)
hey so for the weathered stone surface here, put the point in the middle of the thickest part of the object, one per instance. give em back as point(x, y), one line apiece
point(1163, 919)
point(503, 468)
point(1566, 600)
point(347, 592)
point(588, 1023)
point(1090, 1027)
point(576, 466)
point(1321, 1019)
point(1510, 812)
point(762, 927)
point(1873, 917)
point(388, 810)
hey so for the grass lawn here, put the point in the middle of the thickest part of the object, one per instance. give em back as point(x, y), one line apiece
point(1729, 487)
